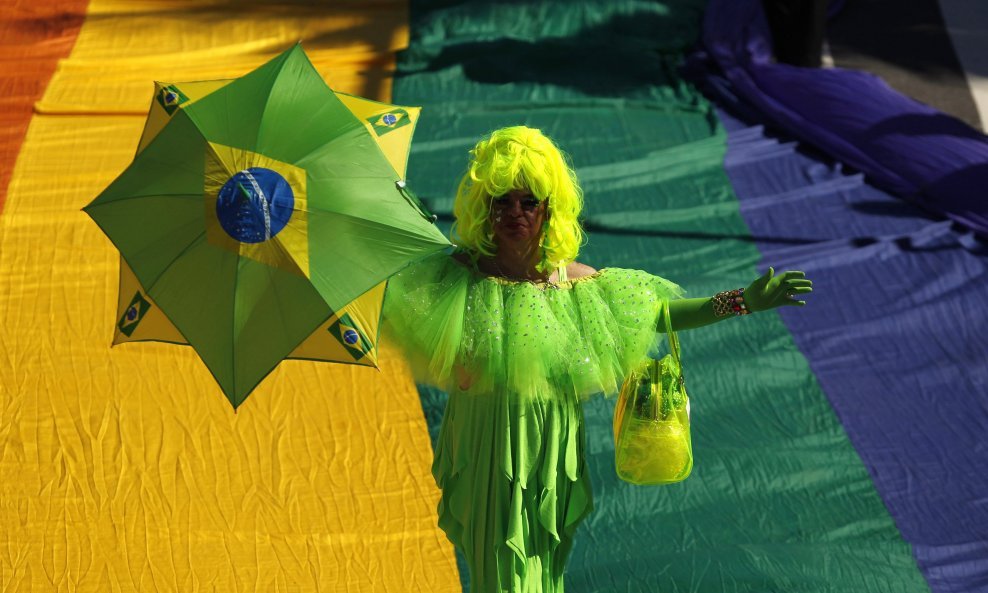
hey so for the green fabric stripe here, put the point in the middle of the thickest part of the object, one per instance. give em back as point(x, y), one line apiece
point(779, 500)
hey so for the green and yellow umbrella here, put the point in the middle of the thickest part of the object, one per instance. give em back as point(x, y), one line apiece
point(348, 336)
point(260, 220)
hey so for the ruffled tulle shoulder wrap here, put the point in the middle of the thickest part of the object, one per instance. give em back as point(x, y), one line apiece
point(465, 332)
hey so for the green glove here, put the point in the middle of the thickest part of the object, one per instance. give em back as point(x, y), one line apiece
point(768, 292)
point(771, 291)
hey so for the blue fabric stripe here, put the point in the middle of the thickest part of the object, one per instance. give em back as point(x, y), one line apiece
point(895, 335)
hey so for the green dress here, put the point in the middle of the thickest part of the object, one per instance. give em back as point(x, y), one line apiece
point(518, 359)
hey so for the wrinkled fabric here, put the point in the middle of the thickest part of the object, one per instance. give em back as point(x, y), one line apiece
point(930, 158)
point(125, 469)
point(911, 402)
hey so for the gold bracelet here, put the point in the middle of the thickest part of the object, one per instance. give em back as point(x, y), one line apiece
point(730, 302)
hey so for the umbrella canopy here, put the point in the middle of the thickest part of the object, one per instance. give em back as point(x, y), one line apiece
point(255, 212)
point(350, 334)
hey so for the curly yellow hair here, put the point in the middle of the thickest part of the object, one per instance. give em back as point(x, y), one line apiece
point(511, 158)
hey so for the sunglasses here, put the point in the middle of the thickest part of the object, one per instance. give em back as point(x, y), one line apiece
point(528, 204)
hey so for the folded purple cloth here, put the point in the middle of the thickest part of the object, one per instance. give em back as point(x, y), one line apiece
point(904, 146)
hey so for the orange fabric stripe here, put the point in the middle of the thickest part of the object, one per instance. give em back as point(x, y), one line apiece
point(34, 36)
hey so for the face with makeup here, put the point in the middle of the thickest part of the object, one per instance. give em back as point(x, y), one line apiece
point(517, 218)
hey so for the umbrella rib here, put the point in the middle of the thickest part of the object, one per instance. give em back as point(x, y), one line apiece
point(267, 98)
point(377, 224)
point(354, 122)
point(317, 152)
point(348, 176)
point(233, 329)
point(194, 242)
point(143, 197)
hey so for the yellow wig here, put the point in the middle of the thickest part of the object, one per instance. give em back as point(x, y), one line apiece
point(519, 158)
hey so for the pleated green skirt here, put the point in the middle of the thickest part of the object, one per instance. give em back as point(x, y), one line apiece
point(514, 488)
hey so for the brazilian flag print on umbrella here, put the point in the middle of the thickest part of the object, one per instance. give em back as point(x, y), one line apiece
point(259, 220)
point(348, 336)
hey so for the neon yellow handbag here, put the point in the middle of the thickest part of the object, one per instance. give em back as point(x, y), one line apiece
point(652, 421)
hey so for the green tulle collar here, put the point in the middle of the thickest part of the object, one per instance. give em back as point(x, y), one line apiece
point(470, 265)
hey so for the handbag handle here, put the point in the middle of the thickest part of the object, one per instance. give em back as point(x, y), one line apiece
point(673, 340)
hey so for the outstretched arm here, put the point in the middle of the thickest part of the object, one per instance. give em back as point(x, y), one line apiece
point(768, 292)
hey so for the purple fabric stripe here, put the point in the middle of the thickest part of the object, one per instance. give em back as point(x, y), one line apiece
point(908, 148)
point(895, 334)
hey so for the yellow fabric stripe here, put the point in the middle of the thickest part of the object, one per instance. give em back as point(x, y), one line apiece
point(124, 45)
point(126, 470)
